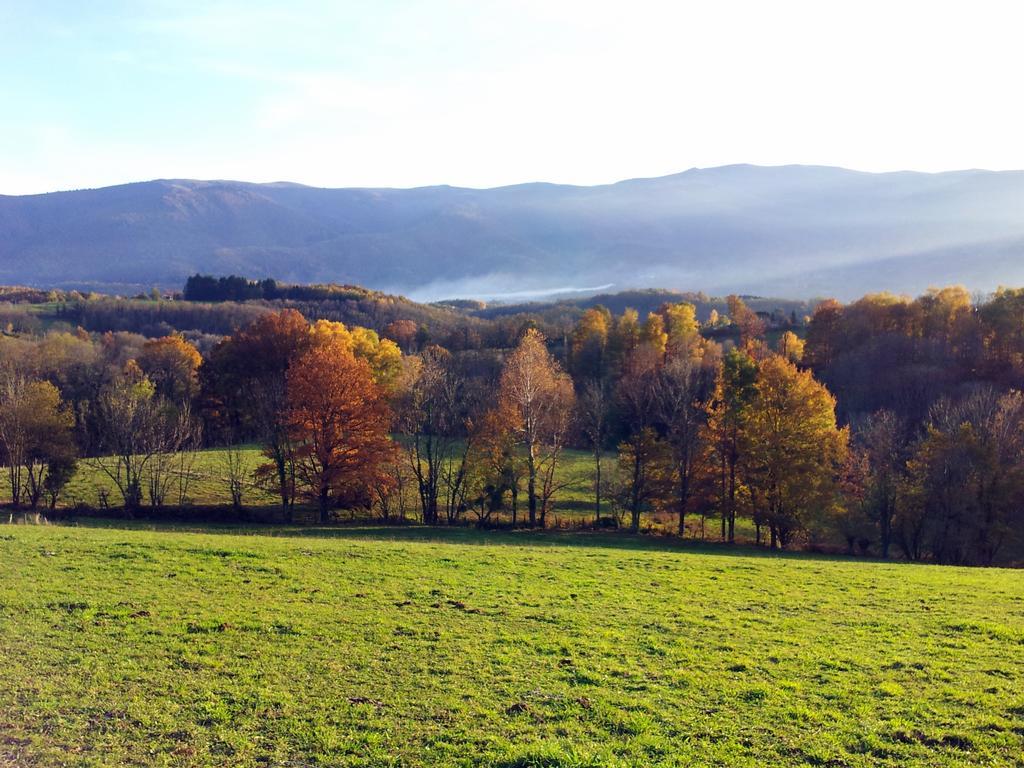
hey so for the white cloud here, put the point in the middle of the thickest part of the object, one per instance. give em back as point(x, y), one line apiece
point(487, 93)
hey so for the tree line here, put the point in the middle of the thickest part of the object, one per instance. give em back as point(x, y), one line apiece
point(890, 425)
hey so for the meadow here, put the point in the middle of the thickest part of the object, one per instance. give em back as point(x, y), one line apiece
point(140, 644)
point(208, 484)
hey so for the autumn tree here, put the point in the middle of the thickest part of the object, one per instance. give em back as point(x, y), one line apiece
point(244, 379)
point(824, 340)
point(966, 480)
point(171, 363)
point(948, 317)
point(536, 400)
point(794, 449)
point(35, 436)
point(791, 347)
point(337, 420)
point(726, 433)
point(52, 453)
point(750, 326)
point(75, 365)
point(682, 330)
point(623, 339)
point(589, 348)
point(653, 336)
point(383, 355)
point(643, 462)
point(852, 516)
point(1003, 327)
point(403, 333)
point(498, 461)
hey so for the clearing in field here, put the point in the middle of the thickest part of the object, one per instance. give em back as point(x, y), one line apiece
point(124, 645)
point(206, 482)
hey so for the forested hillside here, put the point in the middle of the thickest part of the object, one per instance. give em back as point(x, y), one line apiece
point(888, 426)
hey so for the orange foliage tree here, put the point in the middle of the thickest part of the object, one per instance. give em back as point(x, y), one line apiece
point(337, 419)
point(244, 381)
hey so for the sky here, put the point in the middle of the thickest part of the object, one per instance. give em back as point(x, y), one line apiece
point(490, 92)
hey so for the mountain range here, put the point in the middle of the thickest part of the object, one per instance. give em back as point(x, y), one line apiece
point(797, 231)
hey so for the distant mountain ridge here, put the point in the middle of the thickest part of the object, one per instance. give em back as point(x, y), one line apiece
point(796, 231)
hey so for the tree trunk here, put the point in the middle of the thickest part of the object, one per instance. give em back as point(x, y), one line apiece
point(725, 493)
point(634, 501)
point(531, 485)
point(14, 474)
point(324, 504)
point(732, 502)
point(282, 479)
point(684, 499)
point(885, 524)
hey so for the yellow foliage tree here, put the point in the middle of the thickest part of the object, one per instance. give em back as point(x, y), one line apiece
point(791, 347)
point(536, 402)
point(653, 334)
point(590, 342)
point(795, 451)
point(171, 363)
point(383, 355)
point(682, 329)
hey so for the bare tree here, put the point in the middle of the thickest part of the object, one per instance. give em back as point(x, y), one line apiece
point(173, 459)
point(593, 420)
point(390, 497)
point(455, 479)
point(13, 429)
point(137, 428)
point(238, 469)
point(681, 388)
point(637, 399)
point(436, 416)
point(267, 398)
point(883, 438)
point(188, 453)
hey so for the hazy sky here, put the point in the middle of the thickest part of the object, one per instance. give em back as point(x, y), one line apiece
point(483, 93)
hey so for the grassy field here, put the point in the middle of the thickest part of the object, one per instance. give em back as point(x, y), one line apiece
point(134, 645)
point(208, 483)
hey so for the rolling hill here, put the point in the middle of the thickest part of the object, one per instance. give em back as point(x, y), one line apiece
point(793, 230)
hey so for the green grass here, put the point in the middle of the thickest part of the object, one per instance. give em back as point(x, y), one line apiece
point(208, 484)
point(133, 645)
